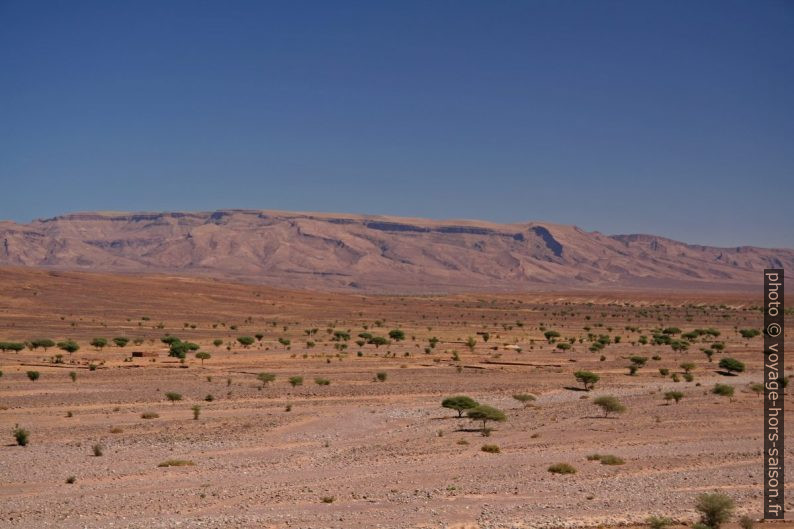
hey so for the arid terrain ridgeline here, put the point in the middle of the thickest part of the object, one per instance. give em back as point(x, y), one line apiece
point(376, 253)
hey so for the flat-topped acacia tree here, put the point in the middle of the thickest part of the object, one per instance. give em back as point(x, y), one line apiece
point(246, 341)
point(265, 378)
point(69, 346)
point(44, 343)
point(459, 403)
point(587, 378)
point(609, 404)
point(731, 365)
point(486, 413)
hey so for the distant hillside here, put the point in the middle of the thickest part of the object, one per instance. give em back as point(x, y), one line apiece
point(377, 254)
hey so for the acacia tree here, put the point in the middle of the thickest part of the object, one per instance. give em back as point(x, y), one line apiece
point(377, 341)
point(524, 398)
point(44, 343)
point(397, 335)
point(201, 355)
point(246, 341)
point(731, 365)
point(687, 366)
point(99, 343)
point(587, 378)
point(609, 404)
point(459, 403)
point(69, 346)
point(486, 413)
point(121, 341)
point(266, 378)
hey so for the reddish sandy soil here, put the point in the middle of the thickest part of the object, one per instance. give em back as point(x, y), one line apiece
point(359, 453)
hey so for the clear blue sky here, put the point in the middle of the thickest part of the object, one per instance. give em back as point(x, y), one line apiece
point(669, 117)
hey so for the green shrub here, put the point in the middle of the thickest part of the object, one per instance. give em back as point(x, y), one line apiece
point(322, 381)
point(562, 468)
point(172, 396)
point(723, 390)
point(98, 450)
point(745, 522)
point(33, 375)
point(21, 435)
point(491, 449)
point(150, 415)
point(715, 509)
point(176, 463)
point(381, 376)
point(658, 522)
point(611, 460)
point(296, 381)
point(673, 395)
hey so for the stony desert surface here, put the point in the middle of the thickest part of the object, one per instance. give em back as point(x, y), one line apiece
point(360, 452)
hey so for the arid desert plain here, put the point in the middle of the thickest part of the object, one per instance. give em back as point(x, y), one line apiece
point(361, 439)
